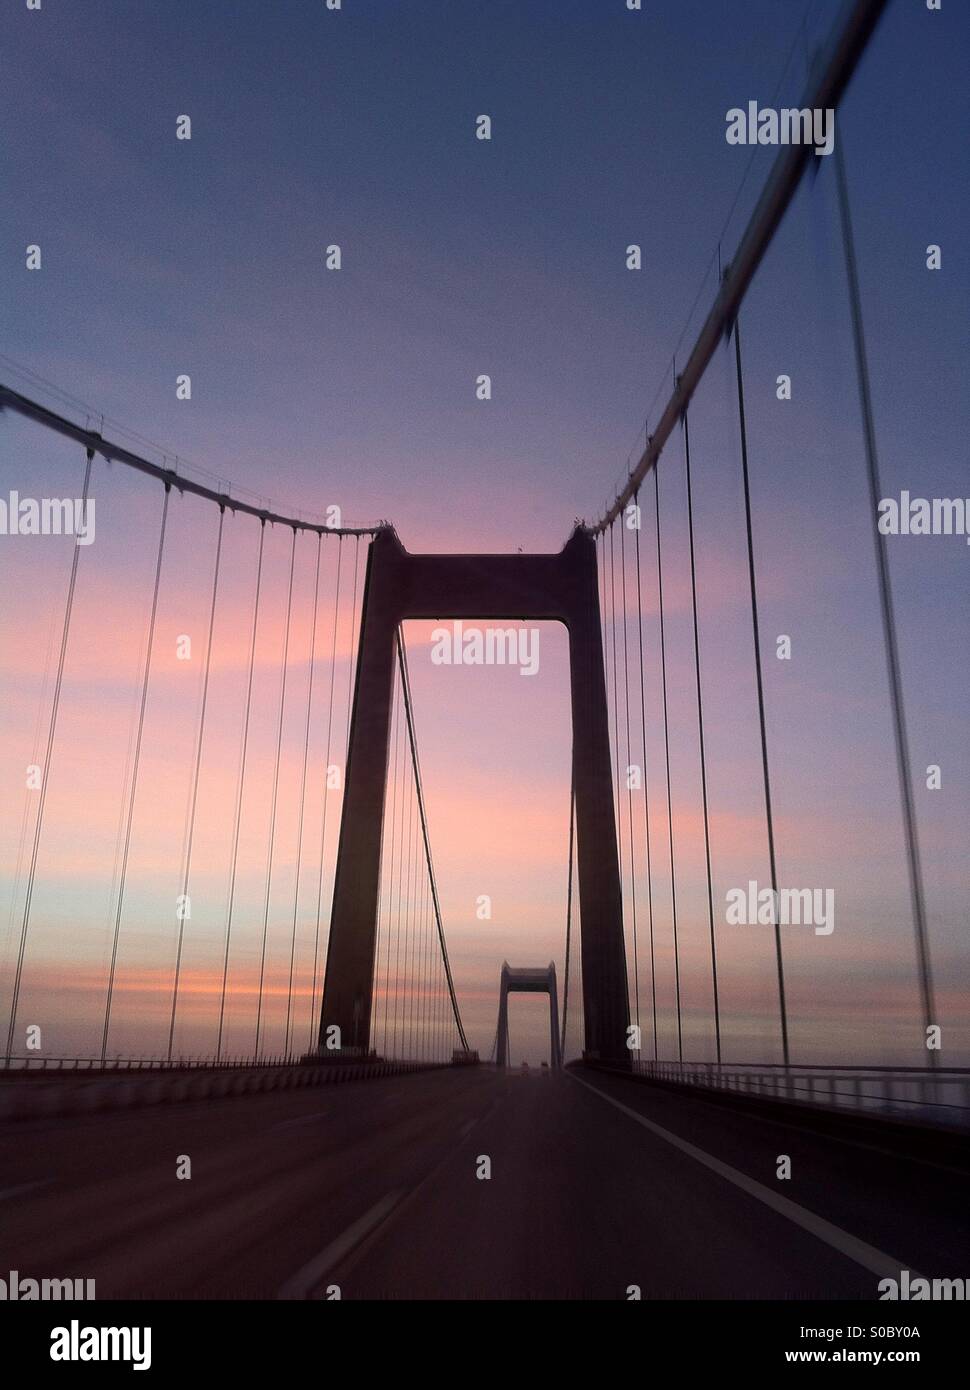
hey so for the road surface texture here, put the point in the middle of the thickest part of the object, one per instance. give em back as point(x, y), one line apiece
point(597, 1184)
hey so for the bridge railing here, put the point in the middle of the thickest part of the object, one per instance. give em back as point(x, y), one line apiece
point(37, 1066)
point(927, 1096)
point(47, 1093)
point(24, 1063)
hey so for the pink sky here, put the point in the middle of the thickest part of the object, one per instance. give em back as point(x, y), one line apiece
point(495, 755)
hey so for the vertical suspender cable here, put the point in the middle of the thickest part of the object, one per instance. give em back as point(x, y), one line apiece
point(600, 543)
point(629, 788)
point(422, 922)
point(306, 758)
point(700, 737)
point(405, 818)
point(425, 967)
point(326, 794)
point(350, 692)
point(237, 819)
point(646, 800)
point(389, 891)
point(408, 1000)
point(377, 956)
point(443, 1008)
point(399, 779)
point(420, 968)
point(183, 901)
point(569, 912)
point(670, 815)
point(616, 719)
point(442, 1011)
point(406, 825)
point(432, 968)
point(377, 992)
point(25, 818)
point(606, 646)
point(901, 738)
point(435, 993)
point(430, 960)
point(416, 1007)
point(276, 787)
point(351, 659)
point(415, 938)
point(416, 768)
point(134, 776)
point(782, 1007)
point(432, 979)
point(51, 731)
point(435, 987)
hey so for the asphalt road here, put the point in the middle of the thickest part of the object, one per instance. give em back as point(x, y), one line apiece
point(597, 1184)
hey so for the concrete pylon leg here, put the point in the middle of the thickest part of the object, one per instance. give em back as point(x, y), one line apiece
point(606, 1007)
point(502, 1034)
point(348, 984)
point(555, 1053)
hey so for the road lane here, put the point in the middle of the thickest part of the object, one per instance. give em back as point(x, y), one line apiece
point(582, 1204)
point(373, 1186)
point(260, 1202)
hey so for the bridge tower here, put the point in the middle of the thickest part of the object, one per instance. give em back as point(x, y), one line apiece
point(523, 980)
point(558, 587)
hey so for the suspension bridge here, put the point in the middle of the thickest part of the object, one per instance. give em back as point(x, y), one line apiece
point(277, 1005)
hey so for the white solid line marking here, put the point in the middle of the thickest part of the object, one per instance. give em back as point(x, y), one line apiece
point(865, 1255)
point(302, 1284)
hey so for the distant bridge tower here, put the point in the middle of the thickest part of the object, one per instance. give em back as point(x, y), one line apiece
point(528, 981)
point(558, 588)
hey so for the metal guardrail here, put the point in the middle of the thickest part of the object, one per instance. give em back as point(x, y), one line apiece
point(934, 1096)
point(125, 1064)
point(93, 1090)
